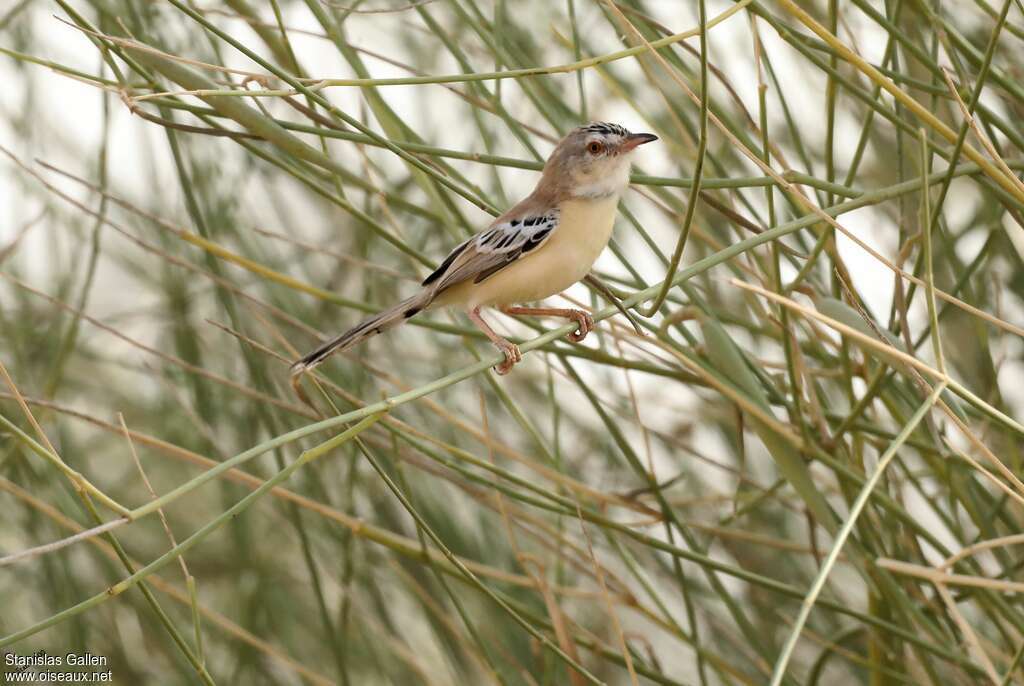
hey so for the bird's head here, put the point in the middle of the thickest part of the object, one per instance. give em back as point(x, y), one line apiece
point(592, 161)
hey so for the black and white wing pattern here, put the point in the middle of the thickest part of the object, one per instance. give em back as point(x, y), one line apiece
point(490, 251)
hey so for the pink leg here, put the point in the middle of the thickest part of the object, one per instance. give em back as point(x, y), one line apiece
point(584, 322)
point(510, 350)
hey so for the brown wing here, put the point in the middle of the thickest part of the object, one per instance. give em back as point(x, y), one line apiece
point(492, 250)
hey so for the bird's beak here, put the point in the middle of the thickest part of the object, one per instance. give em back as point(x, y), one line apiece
point(635, 139)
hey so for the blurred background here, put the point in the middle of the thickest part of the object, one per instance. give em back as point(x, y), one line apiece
point(806, 471)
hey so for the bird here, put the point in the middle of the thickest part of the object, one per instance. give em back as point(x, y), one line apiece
point(540, 247)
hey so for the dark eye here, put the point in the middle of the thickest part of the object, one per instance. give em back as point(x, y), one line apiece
point(594, 147)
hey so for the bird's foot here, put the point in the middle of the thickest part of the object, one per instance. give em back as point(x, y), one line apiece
point(584, 325)
point(511, 353)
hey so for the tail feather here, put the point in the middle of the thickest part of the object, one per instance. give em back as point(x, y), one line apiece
point(368, 328)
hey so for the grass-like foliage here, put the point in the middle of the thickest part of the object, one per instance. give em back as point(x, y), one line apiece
point(807, 470)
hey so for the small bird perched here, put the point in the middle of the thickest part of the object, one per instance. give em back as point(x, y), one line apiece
point(540, 247)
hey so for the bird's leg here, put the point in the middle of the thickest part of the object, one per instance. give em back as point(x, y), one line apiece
point(584, 322)
point(510, 350)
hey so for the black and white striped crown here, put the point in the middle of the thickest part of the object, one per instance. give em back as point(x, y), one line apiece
point(605, 128)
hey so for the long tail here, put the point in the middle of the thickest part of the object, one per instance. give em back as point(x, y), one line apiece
point(368, 328)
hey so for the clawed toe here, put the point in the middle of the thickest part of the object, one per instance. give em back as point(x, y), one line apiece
point(584, 325)
point(512, 357)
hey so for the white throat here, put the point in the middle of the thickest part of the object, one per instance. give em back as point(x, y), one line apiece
point(612, 183)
